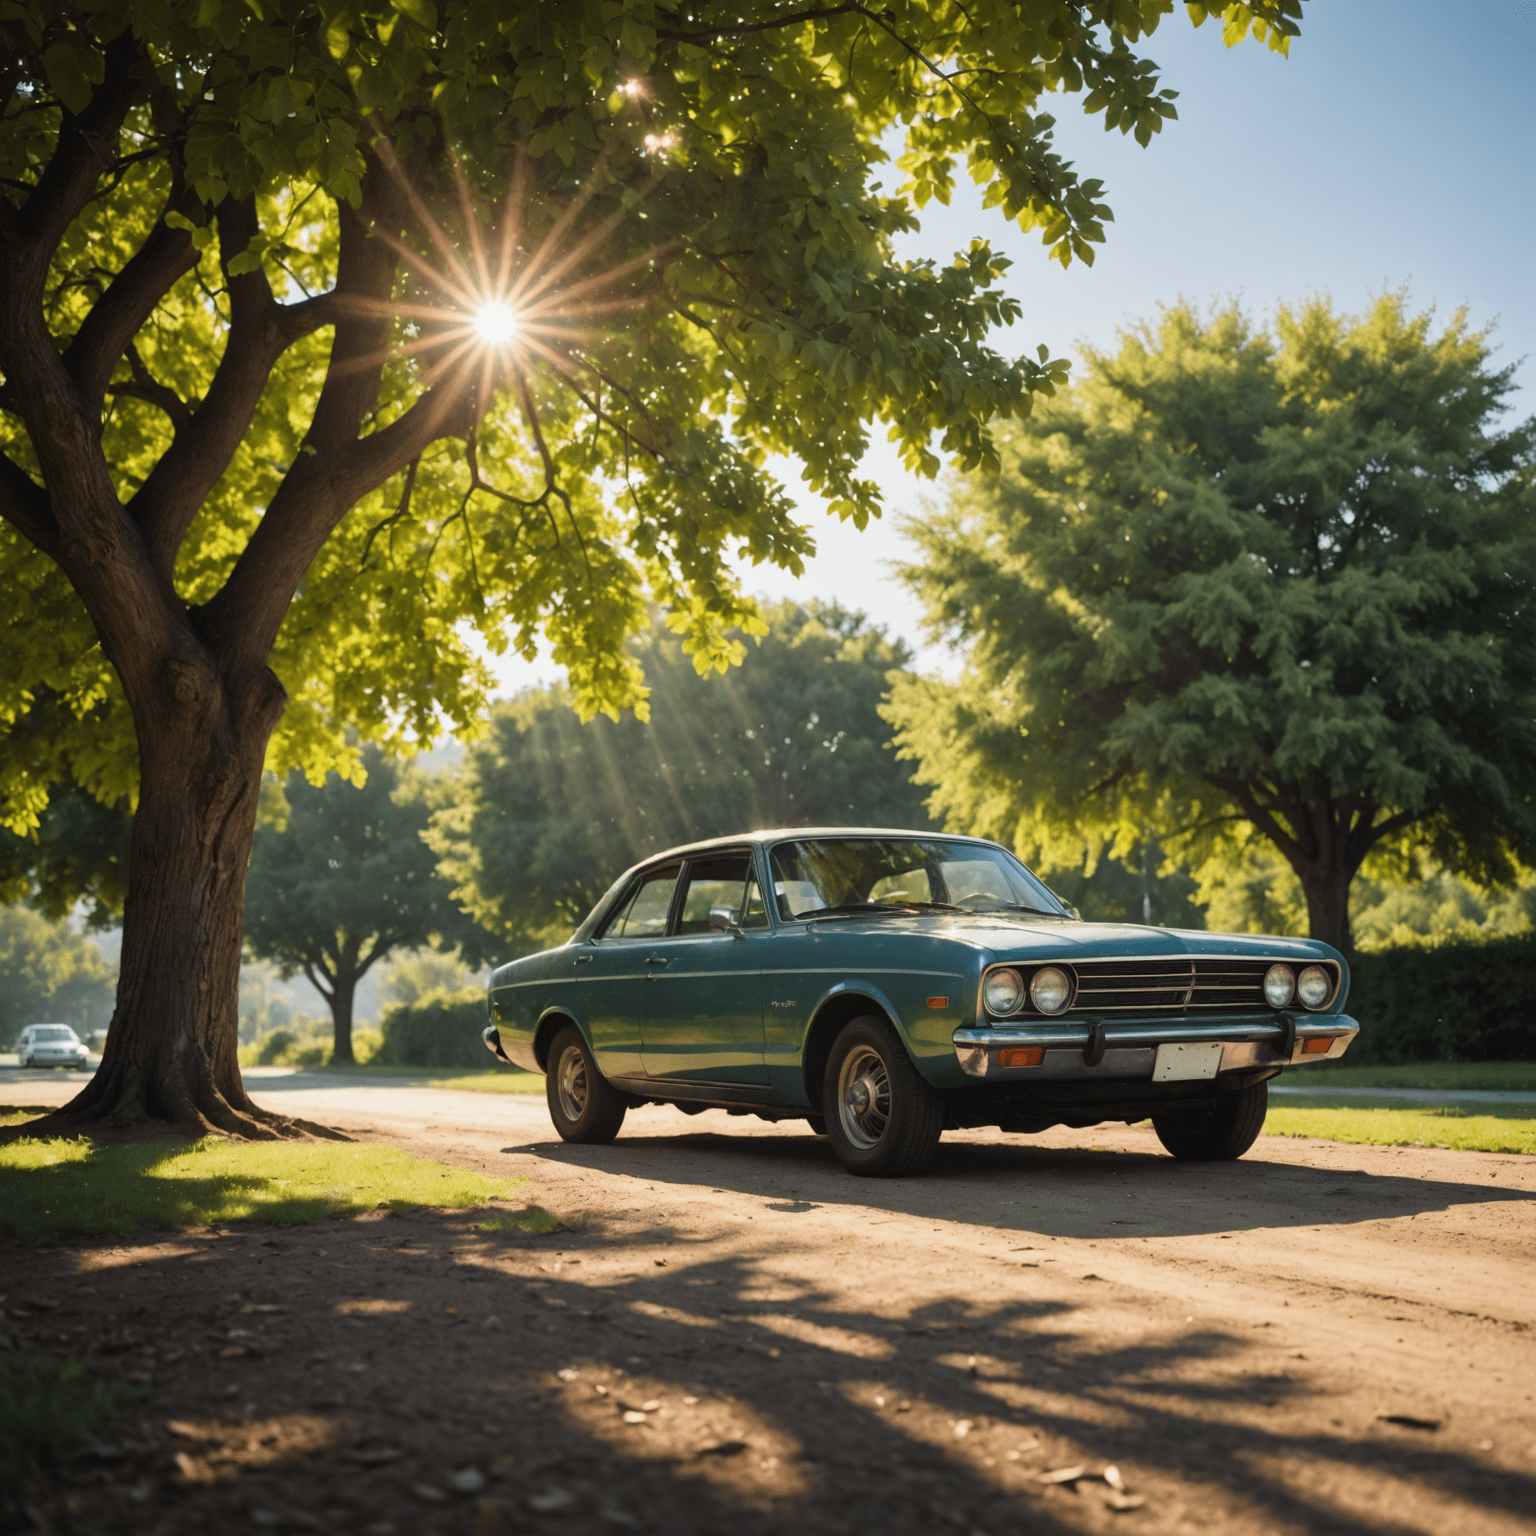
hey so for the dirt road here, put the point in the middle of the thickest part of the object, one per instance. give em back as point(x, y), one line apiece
point(740, 1337)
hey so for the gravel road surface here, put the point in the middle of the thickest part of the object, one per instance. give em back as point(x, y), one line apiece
point(738, 1336)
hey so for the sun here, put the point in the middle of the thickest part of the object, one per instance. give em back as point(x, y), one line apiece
point(497, 323)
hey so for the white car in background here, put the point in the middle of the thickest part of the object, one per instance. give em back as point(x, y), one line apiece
point(50, 1045)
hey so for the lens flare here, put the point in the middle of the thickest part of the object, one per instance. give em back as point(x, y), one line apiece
point(496, 323)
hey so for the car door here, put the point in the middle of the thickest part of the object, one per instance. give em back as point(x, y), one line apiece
point(610, 971)
point(702, 1017)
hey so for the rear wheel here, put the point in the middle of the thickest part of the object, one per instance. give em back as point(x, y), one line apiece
point(882, 1117)
point(583, 1105)
point(1220, 1136)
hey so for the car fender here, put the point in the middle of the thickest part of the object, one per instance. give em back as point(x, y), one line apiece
point(837, 1005)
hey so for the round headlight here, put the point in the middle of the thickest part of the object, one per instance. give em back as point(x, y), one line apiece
point(1314, 986)
point(1279, 985)
point(1003, 991)
point(1050, 990)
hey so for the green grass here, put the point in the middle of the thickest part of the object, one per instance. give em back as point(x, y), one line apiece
point(45, 1405)
point(83, 1186)
point(534, 1219)
point(1429, 1125)
point(496, 1082)
point(1510, 1076)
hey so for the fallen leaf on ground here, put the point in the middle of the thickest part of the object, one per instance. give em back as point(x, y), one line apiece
point(1122, 1503)
point(1408, 1421)
point(1111, 1475)
point(634, 1416)
point(554, 1502)
point(1062, 1475)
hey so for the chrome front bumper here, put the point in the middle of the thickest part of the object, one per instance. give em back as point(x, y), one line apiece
point(1097, 1049)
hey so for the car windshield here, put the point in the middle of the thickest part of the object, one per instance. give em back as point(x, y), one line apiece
point(868, 874)
point(55, 1032)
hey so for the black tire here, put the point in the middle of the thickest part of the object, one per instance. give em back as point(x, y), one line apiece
point(1221, 1136)
point(582, 1104)
point(882, 1118)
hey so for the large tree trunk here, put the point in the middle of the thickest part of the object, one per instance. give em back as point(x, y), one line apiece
point(171, 1051)
point(1327, 891)
point(343, 992)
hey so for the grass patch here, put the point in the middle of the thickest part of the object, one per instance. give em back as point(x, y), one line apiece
point(534, 1219)
point(1508, 1076)
point(82, 1186)
point(1429, 1125)
point(46, 1405)
point(495, 1082)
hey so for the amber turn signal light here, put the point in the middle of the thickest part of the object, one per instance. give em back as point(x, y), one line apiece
point(1021, 1056)
point(938, 1002)
point(1317, 1045)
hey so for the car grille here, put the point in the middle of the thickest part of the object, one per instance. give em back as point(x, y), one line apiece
point(1171, 986)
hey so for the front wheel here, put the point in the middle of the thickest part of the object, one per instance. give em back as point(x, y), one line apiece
point(883, 1118)
point(582, 1103)
point(1221, 1136)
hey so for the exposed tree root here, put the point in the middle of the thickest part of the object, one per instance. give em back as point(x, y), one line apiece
point(130, 1121)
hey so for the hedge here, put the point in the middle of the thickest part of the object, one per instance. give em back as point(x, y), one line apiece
point(1455, 1002)
point(442, 1030)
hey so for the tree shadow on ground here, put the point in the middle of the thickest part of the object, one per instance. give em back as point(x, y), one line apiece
point(412, 1373)
point(1023, 1187)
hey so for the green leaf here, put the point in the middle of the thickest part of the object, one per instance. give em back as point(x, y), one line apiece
point(71, 67)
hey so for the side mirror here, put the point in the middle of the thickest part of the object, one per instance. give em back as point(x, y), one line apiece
point(723, 920)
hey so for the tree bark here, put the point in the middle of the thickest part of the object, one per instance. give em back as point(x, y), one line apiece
point(1326, 887)
point(343, 991)
point(171, 1050)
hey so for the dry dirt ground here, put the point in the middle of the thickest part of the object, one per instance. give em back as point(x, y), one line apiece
point(741, 1338)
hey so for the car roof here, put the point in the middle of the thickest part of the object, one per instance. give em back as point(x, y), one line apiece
point(782, 834)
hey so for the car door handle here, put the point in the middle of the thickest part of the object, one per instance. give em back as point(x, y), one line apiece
point(655, 960)
point(584, 959)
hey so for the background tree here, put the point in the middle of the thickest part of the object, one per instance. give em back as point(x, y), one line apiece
point(536, 289)
point(548, 811)
point(49, 974)
point(1238, 585)
point(345, 881)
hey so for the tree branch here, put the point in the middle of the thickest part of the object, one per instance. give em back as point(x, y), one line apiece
point(27, 507)
point(260, 331)
point(149, 389)
point(116, 317)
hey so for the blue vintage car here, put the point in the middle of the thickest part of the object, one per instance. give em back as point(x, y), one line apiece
point(887, 986)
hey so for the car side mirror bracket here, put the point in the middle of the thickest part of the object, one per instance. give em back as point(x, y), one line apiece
point(723, 920)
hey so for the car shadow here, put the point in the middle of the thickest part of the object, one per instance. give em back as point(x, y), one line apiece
point(1078, 1192)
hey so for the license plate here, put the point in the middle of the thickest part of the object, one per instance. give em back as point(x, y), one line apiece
point(1184, 1063)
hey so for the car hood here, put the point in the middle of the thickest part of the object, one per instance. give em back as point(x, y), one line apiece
point(1016, 936)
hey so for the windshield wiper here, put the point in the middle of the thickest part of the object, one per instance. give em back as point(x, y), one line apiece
point(1011, 906)
point(864, 908)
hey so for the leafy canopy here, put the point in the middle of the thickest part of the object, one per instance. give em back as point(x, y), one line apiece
point(547, 811)
point(1236, 582)
point(700, 271)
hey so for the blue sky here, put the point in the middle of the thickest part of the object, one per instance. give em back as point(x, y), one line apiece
point(1396, 144)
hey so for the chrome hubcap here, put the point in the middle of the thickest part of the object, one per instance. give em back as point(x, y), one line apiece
point(863, 1097)
point(572, 1085)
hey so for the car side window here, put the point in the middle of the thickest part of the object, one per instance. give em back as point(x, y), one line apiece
point(644, 915)
point(753, 913)
point(713, 882)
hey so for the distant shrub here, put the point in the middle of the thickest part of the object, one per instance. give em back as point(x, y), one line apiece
point(442, 1029)
point(274, 1046)
point(366, 1044)
point(1451, 1002)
